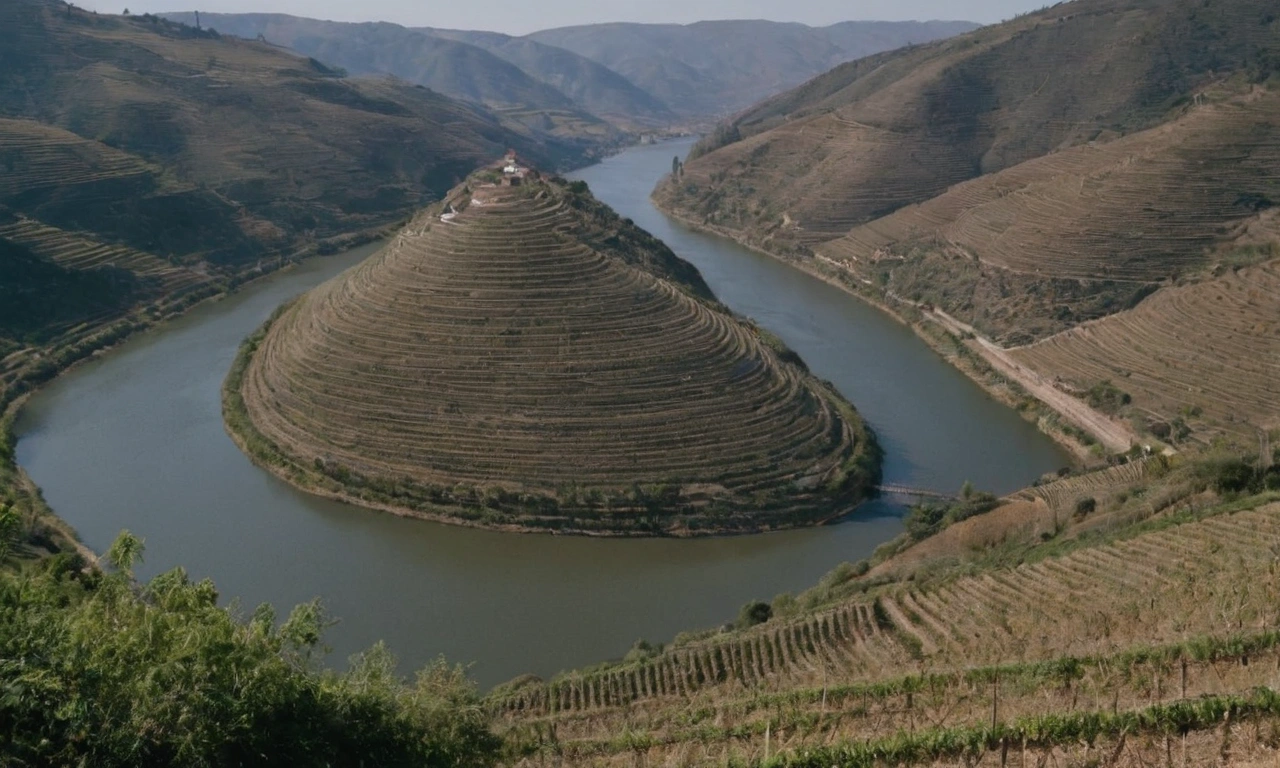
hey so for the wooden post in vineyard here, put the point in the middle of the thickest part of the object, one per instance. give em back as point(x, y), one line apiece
point(995, 699)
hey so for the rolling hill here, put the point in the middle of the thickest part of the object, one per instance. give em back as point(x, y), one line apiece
point(715, 68)
point(151, 164)
point(453, 67)
point(594, 86)
point(1028, 178)
point(525, 359)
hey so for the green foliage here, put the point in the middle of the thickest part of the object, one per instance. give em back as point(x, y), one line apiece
point(1086, 506)
point(1107, 397)
point(924, 520)
point(10, 525)
point(642, 650)
point(939, 744)
point(1231, 475)
point(753, 613)
point(125, 552)
point(98, 670)
point(785, 605)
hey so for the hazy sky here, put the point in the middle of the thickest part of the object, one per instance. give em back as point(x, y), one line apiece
point(522, 16)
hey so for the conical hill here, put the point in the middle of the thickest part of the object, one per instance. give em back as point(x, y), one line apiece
point(521, 357)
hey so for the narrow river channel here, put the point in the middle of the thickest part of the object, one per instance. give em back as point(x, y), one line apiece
point(134, 440)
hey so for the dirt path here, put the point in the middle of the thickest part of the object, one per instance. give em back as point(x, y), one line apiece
point(1114, 435)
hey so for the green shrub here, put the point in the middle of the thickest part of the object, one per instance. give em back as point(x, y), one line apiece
point(99, 670)
point(1086, 506)
point(753, 613)
point(1232, 475)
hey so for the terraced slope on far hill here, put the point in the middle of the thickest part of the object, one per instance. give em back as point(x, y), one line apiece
point(535, 362)
point(897, 128)
point(1081, 233)
point(1029, 179)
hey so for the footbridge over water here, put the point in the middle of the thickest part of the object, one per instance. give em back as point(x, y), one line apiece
point(893, 489)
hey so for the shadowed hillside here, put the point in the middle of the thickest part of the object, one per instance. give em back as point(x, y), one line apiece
point(1030, 177)
point(145, 163)
point(898, 128)
point(533, 362)
point(718, 67)
point(452, 67)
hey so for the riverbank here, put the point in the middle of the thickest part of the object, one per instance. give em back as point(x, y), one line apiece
point(136, 440)
point(1072, 428)
point(405, 499)
point(44, 531)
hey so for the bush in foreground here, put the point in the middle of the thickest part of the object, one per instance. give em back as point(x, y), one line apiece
point(98, 670)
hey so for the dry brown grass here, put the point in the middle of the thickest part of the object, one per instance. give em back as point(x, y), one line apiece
point(1137, 208)
point(1210, 348)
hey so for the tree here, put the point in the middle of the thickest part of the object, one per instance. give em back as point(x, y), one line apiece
point(675, 166)
point(754, 613)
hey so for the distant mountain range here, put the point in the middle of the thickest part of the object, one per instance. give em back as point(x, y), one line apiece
point(591, 81)
point(720, 67)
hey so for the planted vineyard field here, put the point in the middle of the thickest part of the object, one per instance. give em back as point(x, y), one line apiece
point(34, 156)
point(1211, 349)
point(1118, 626)
point(1142, 208)
point(74, 251)
point(1082, 233)
point(537, 362)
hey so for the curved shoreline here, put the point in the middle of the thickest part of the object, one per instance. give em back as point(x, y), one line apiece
point(972, 370)
point(268, 456)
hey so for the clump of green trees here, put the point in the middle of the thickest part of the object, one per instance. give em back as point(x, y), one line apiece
point(99, 669)
point(927, 519)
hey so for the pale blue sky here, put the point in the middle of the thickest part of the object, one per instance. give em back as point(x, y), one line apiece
point(523, 16)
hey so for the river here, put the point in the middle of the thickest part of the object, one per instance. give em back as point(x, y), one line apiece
point(134, 440)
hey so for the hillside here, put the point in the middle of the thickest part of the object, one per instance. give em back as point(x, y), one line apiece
point(716, 68)
point(1127, 613)
point(527, 360)
point(594, 86)
point(452, 67)
point(1029, 178)
point(148, 165)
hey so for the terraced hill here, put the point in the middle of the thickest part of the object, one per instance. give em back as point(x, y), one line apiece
point(898, 128)
point(145, 165)
point(1112, 629)
point(1205, 352)
point(1087, 231)
point(537, 363)
point(1032, 178)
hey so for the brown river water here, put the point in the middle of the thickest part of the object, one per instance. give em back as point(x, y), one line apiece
point(134, 440)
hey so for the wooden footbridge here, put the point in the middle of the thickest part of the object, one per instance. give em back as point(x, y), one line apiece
point(893, 489)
